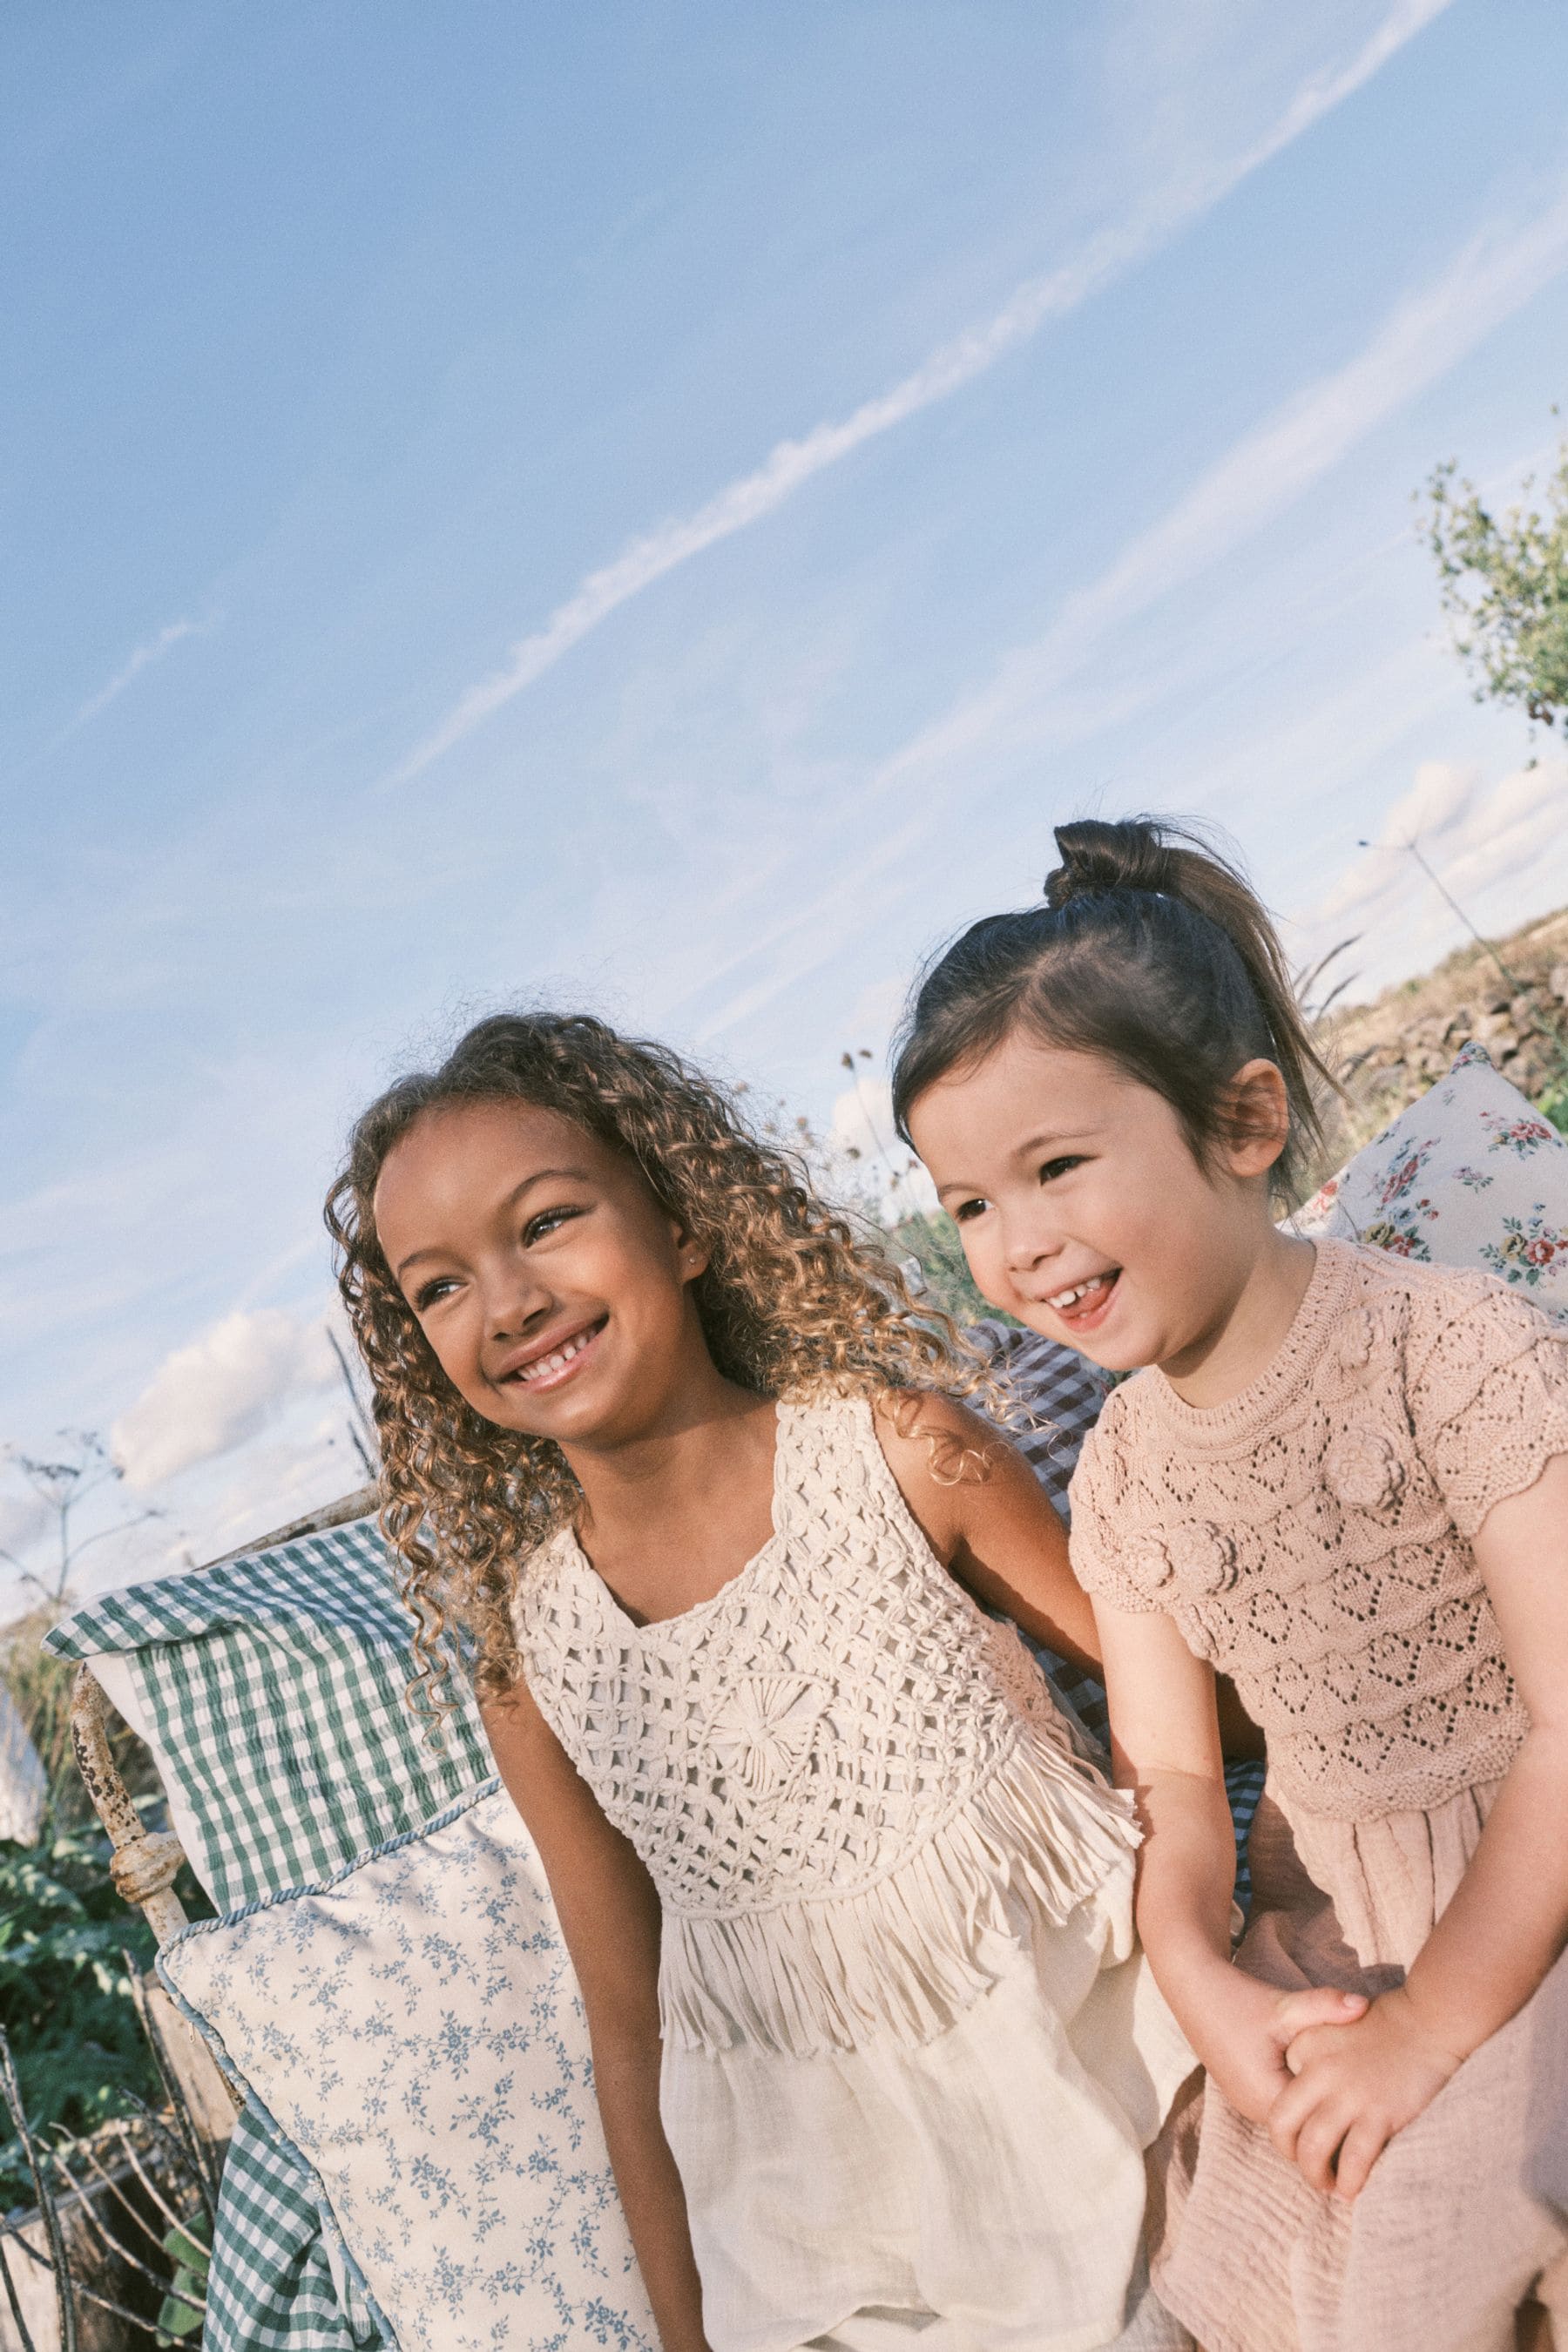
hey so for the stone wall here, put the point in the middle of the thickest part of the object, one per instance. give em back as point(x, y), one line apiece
point(1389, 1052)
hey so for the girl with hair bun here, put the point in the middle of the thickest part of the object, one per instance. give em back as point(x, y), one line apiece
point(1340, 1479)
point(876, 2054)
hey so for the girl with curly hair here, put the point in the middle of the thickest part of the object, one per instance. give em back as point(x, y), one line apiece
point(674, 1452)
point(1341, 1479)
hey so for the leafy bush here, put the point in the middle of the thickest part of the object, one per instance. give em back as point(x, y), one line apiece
point(933, 1241)
point(63, 1997)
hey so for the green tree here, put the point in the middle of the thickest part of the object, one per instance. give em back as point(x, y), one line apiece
point(1504, 582)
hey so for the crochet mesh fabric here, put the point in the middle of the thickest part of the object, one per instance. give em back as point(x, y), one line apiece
point(1312, 1535)
point(841, 1776)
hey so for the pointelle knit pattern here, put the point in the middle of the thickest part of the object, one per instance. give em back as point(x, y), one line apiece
point(1312, 1535)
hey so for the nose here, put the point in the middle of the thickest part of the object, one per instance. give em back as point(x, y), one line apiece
point(1028, 1242)
point(515, 1300)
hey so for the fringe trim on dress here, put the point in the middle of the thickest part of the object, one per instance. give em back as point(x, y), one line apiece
point(900, 1956)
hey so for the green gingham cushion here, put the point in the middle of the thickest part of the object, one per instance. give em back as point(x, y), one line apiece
point(280, 2280)
point(271, 1690)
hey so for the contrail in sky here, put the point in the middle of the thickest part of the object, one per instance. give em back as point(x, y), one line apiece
point(142, 659)
point(945, 370)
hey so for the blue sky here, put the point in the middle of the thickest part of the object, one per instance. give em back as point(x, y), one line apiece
point(663, 509)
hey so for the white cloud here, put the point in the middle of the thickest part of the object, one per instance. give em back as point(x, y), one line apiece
point(1022, 709)
point(862, 1124)
point(23, 1517)
point(211, 1396)
point(1477, 838)
point(792, 463)
point(142, 659)
point(1267, 471)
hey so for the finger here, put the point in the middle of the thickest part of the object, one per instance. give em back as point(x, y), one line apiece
point(1317, 2145)
point(1363, 2145)
point(1299, 2100)
point(1318, 2005)
point(1308, 2047)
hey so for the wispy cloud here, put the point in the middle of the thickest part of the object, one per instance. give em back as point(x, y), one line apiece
point(1021, 707)
point(1267, 472)
point(953, 365)
point(1477, 835)
point(167, 639)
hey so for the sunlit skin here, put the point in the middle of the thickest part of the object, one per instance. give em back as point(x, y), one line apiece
point(555, 1291)
point(516, 1235)
point(1061, 1171)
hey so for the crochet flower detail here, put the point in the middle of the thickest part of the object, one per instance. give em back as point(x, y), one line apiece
point(759, 1736)
point(1153, 1565)
point(1202, 1555)
point(1364, 1469)
point(1355, 1339)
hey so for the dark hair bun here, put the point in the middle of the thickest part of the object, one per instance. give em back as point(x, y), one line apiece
point(1098, 857)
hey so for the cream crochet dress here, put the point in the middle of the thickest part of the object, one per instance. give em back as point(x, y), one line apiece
point(910, 2057)
point(1311, 1538)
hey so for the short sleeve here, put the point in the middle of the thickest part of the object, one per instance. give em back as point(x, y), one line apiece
point(1486, 1382)
point(1098, 1496)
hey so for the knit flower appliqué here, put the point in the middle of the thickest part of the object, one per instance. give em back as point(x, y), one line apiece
point(760, 1732)
point(1364, 1469)
point(1355, 1339)
point(1198, 1554)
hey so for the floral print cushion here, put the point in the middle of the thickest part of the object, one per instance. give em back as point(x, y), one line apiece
point(1470, 1175)
point(415, 2028)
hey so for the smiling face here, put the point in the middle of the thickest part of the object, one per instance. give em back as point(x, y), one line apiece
point(1082, 1207)
point(551, 1284)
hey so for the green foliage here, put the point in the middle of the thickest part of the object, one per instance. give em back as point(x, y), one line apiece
point(190, 2254)
point(1552, 1102)
point(934, 1241)
point(63, 1997)
point(1505, 588)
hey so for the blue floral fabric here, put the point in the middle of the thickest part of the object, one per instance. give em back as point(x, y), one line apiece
point(414, 2029)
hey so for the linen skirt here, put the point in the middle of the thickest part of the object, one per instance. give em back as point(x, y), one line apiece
point(1451, 2233)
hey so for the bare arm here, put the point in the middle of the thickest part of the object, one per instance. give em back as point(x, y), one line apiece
point(1509, 1917)
point(609, 1916)
point(1001, 1535)
point(991, 1524)
point(1165, 1747)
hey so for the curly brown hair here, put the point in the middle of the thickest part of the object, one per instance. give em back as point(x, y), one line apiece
point(792, 1302)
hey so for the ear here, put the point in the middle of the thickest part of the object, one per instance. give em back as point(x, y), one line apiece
point(691, 1256)
point(1257, 1118)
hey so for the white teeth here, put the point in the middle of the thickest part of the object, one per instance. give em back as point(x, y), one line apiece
point(554, 1363)
point(1070, 1297)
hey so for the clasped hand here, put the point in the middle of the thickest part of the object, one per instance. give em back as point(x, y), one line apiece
point(1355, 2085)
point(1330, 2076)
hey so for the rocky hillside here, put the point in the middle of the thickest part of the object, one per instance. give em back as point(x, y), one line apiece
point(1389, 1052)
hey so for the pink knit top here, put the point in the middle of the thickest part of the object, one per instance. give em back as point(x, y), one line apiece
point(1312, 1535)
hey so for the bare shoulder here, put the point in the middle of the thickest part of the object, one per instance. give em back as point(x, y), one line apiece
point(936, 1433)
point(950, 1463)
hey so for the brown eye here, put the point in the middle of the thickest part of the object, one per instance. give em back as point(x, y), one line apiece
point(1053, 1168)
point(548, 1221)
point(967, 1210)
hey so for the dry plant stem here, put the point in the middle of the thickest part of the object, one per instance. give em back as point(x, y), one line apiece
point(133, 2318)
point(114, 2244)
point(10, 2089)
point(23, 2336)
point(184, 2123)
point(150, 2187)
